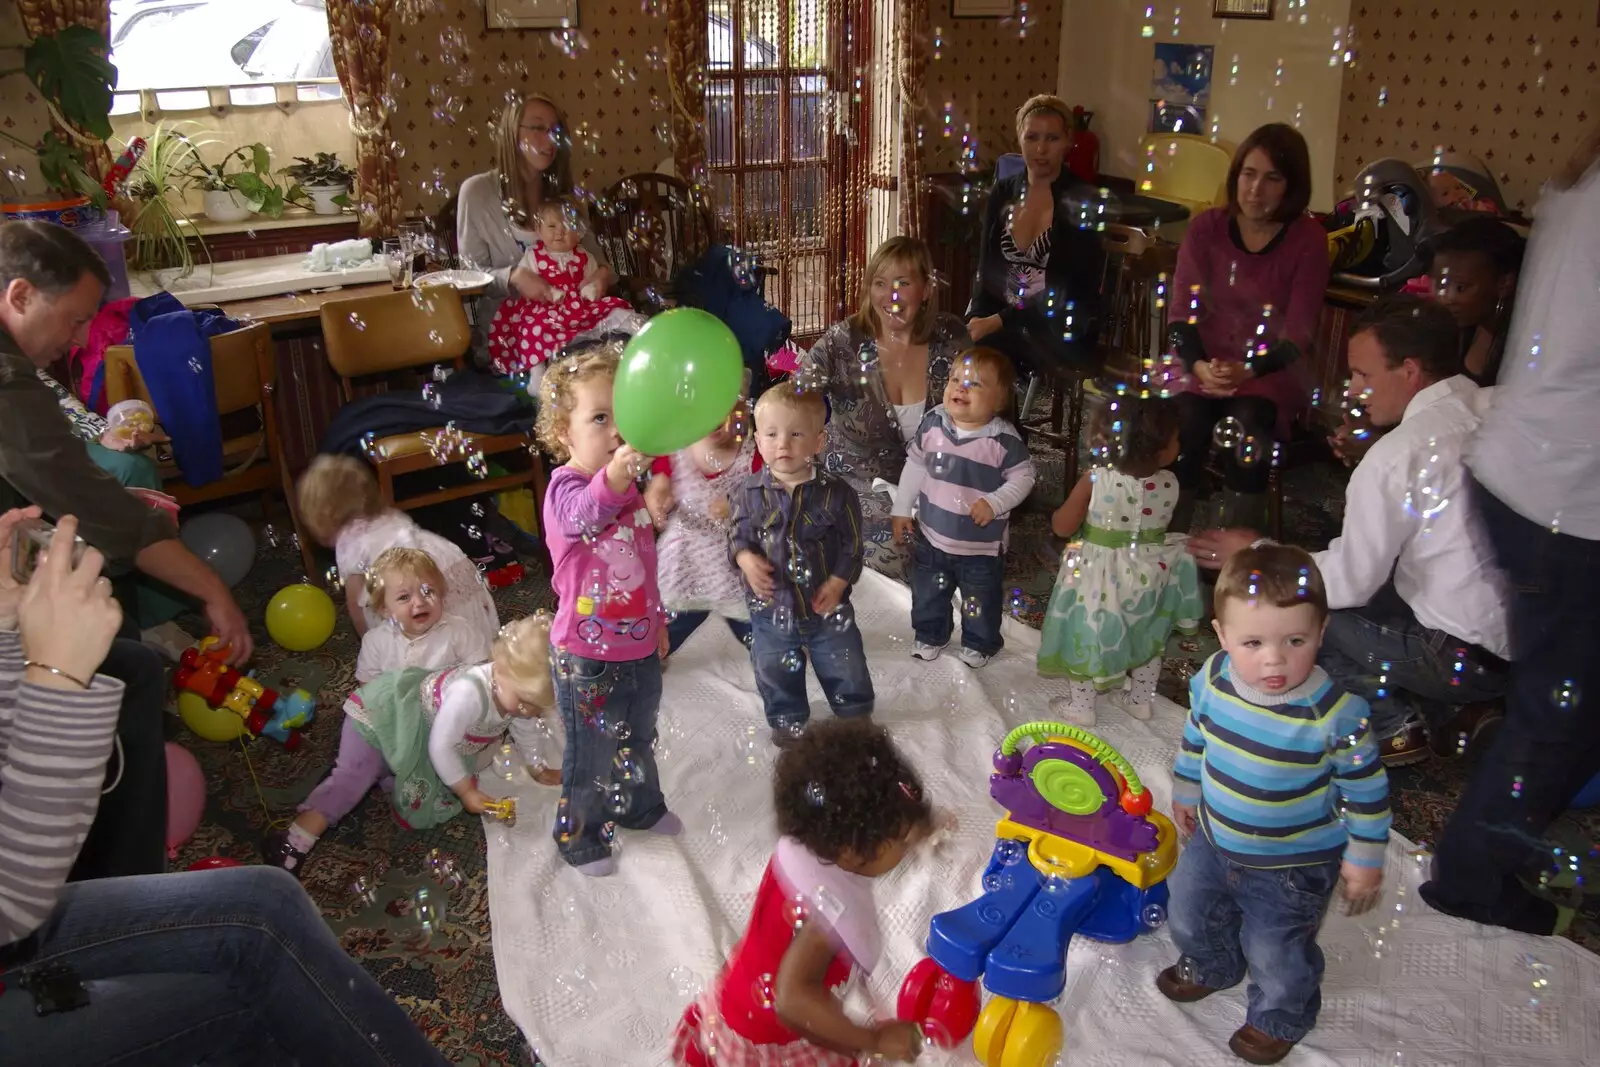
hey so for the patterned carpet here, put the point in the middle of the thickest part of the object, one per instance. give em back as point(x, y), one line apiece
point(366, 873)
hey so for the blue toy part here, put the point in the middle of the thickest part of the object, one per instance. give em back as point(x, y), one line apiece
point(960, 940)
point(1119, 914)
point(1031, 962)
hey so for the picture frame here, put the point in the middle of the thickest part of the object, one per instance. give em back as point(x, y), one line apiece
point(1243, 9)
point(982, 9)
point(530, 14)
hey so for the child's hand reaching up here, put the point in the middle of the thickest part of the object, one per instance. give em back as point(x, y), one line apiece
point(898, 1042)
point(828, 597)
point(1360, 887)
point(1185, 819)
point(626, 464)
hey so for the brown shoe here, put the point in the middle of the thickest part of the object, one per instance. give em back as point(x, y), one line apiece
point(1408, 746)
point(1253, 1046)
point(1176, 989)
point(1469, 730)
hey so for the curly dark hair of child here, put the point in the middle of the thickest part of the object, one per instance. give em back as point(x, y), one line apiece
point(1131, 432)
point(843, 786)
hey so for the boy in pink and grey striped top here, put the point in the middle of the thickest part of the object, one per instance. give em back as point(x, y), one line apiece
point(966, 469)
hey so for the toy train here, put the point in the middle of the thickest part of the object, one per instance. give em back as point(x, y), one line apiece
point(204, 671)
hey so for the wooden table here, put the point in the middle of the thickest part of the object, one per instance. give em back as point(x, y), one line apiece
point(297, 309)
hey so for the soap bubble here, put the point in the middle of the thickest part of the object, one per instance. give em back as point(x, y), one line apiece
point(615, 799)
point(1010, 852)
point(618, 729)
point(782, 619)
point(683, 980)
point(443, 869)
point(333, 580)
point(815, 795)
point(840, 618)
point(627, 768)
point(747, 744)
point(506, 762)
point(1016, 603)
point(427, 913)
point(1566, 695)
point(763, 991)
point(796, 911)
point(1228, 433)
point(364, 889)
point(1249, 452)
point(791, 661)
point(1153, 915)
point(569, 824)
point(1186, 970)
point(972, 608)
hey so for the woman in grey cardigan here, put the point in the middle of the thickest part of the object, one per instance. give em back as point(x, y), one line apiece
point(496, 208)
point(881, 369)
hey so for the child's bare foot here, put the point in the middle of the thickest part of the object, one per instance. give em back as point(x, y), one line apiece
point(546, 775)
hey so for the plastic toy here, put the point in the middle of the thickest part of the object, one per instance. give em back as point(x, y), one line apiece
point(1079, 852)
point(204, 672)
point(505, 810)
point(500, 577)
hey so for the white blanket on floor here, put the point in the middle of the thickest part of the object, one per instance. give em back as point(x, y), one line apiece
point(596, 973)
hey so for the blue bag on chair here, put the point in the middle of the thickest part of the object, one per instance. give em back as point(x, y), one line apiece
point(172, 346)
point(760, 328)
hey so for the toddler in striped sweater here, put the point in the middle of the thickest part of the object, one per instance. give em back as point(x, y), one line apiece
point(1280, 776)
point(966, 469)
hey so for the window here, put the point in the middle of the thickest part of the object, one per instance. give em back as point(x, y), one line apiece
point(182, 48)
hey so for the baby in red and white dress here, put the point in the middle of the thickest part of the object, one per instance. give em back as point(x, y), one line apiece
point(529, 331)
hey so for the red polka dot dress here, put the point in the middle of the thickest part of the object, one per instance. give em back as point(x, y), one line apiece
point(525, 332)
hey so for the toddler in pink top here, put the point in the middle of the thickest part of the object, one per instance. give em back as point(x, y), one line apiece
point(608, 640)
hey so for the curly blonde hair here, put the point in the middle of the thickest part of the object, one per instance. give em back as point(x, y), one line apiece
point(522, 658)
point(557, 393)
point(333, 492)
point(402, 562)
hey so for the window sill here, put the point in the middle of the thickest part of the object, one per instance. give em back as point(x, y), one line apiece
point(294, 218)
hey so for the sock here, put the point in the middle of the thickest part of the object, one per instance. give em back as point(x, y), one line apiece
point(301, 839)
point(669, 825)
point(1142, 688)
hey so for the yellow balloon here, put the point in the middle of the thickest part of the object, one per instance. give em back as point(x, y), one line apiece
point(213, 724)
point(300, 617)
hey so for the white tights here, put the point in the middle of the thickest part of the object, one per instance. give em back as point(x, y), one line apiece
point(1139, 692)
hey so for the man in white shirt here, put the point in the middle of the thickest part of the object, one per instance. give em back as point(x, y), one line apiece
point(1418, 626)
point(1536, 461)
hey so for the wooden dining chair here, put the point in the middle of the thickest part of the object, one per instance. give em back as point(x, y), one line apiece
point(244, 370)
point(387, 334)
point(652, 226)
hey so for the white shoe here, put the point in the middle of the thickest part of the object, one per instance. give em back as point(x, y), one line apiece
point(972, 657)
point(928, 652)
point(169, 639)
point(1063, 708)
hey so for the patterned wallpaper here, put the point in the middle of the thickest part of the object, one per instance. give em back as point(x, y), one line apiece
point(613, 87)
point(984, 71)
point(1512, 82)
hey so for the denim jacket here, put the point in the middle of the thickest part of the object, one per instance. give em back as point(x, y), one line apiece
point(809, 534)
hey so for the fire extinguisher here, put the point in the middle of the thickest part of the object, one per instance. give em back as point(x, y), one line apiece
point(1083, 157)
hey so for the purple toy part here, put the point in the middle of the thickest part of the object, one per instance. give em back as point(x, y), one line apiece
point(1007, 762)
point(1110, 829)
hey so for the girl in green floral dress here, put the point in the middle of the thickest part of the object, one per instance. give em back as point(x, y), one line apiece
point(1125, 583)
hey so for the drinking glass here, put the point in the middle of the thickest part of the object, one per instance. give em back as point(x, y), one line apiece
point(398, 259)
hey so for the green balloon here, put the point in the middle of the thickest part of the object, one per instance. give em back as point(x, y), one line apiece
point(679, 379)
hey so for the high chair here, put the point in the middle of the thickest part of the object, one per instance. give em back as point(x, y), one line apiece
point(244, 371)
point(380, 335)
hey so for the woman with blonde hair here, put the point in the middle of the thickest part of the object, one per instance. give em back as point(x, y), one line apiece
point(1036, 296)
point(880, 370)
point(497, 210)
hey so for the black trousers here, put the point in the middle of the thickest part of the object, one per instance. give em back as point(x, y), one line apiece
point(1549, 745)
point(1201, 414)
point(129, 833)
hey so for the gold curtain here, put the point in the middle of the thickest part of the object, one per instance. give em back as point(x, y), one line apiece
point(51, 16)
point(853, 175)
point(912, 36)
point(686, 78)
point(359, 32)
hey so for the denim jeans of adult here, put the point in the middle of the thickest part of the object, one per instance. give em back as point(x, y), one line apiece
point(1380, 652)
point(230, 966)
point(778, 652)
point(684, 623)
point(1226, 917)
point(1549, 744)
point(936, 576)
point(129, 832)
point(606, 707)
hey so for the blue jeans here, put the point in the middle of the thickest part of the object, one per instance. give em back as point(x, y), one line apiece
point(1421, 664)
point(606, 707)
point(778, 654)
point(935, 577)
point(1225, 917)
point(684, 623)
point(229, 966)
point(1549, 744)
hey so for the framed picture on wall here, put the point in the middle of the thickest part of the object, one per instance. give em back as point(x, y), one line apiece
point(1241, 9)
point(982, 9)
point(530, 14)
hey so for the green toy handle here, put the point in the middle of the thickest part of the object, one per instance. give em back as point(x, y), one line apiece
point(1105, 753)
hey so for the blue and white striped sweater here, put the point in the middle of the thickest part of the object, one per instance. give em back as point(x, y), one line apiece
point(1269, 773)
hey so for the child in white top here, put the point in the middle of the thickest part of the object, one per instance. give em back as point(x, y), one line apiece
point(407, 588)
point(341, 507)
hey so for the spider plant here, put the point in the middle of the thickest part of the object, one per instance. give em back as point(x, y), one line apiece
point(171, 155)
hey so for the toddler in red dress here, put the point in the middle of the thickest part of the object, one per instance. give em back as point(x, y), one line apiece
point(849, 808)
point(530, 329)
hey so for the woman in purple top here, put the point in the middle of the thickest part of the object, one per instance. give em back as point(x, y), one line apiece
point(1246, 298)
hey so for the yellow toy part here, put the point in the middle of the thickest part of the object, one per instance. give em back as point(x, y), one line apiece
point(213, 724)
point(1050, 854)
point(238, 702)
point(1014, 1033)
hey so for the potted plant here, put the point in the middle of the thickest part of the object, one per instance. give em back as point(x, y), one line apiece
point(325, 179)
point(159, 241)
point(238, 185)
point(72, 76)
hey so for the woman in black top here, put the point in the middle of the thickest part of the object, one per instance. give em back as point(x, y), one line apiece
point(1036, 296)
point(1474, 267)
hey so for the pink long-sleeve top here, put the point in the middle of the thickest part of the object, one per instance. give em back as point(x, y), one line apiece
point(1279, 289)
point(603, 555)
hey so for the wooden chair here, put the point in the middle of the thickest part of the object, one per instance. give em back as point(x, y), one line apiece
point(1133, 324)
point(387, 333)
point(244, 370)
point(651, 226)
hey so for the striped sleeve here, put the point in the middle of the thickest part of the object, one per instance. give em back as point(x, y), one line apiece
point(1186, 769)
point(56, 746)
point(1359, 777)
point(1017, 470)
